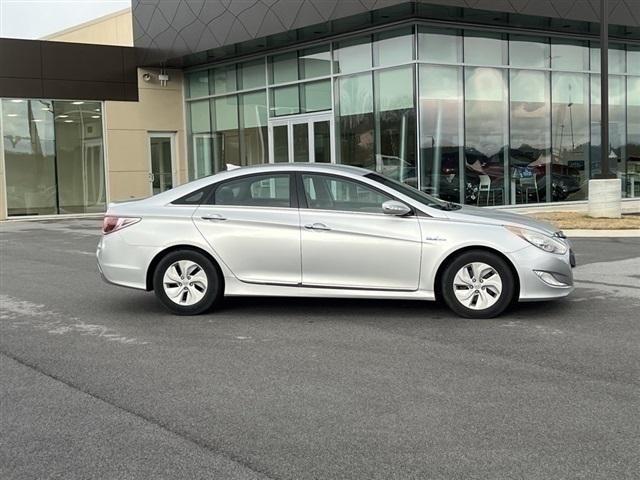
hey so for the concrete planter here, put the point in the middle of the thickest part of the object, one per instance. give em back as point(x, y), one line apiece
point(605, 197)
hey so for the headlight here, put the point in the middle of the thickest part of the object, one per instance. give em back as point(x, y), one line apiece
point(543, 242)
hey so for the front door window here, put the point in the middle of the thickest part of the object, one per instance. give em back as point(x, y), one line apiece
point(332, 193)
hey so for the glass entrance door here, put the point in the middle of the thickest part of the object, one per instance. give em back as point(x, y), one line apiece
point(161, 152)
point(302, 139)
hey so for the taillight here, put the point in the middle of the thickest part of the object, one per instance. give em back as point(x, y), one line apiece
point(112, 224)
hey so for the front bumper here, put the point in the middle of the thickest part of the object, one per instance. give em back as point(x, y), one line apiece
point(533, 286)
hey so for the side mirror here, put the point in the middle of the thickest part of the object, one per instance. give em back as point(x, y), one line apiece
point(393, 207)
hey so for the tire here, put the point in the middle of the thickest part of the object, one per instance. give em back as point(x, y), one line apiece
point(187, 283)
point(484, 297)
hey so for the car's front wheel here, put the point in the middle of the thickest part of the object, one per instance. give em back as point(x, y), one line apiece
point(187, 282)
point(478, 284)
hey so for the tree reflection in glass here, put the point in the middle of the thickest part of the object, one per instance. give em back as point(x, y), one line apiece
point(530, 153)
point(570, 135)
point(441, 130)
point(617, 125)
point(395, 117)
point(356, 120)
point(486, 135)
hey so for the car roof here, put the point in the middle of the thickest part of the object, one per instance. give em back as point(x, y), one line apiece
point(302, 166)
point(189, 187)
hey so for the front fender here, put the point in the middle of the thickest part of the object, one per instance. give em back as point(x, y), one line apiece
point(442, 239)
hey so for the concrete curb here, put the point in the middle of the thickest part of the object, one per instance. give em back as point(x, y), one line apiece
point(631, 233)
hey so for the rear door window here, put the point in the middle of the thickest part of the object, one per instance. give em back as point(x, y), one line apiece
point(255, 191)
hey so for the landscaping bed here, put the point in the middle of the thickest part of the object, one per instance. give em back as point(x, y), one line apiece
point(575, 221)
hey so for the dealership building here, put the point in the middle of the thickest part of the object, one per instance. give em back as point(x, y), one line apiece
point(482, 102)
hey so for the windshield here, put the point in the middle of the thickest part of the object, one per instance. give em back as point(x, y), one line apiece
point(413, 193)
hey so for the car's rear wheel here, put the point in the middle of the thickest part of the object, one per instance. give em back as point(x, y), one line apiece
point(187, 282)
point(478, 284)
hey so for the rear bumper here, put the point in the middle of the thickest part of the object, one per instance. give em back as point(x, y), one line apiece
point(533, 286)
point(121, 264)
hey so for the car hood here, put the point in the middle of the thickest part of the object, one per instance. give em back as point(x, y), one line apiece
point(499, 217)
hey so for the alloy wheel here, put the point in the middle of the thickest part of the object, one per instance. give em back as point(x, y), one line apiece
point(477, 286)
point(185, 282)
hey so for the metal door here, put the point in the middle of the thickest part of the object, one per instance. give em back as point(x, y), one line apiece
point(253, 224)
point(348, 242)
point(302, 138)
point(161, 153)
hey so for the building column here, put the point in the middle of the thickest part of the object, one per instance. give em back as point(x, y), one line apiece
point(605, 191)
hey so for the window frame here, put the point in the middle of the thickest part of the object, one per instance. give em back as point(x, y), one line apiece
point(293, 197)
point(302, 197)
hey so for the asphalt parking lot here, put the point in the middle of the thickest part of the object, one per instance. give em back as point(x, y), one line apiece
point(99, 382)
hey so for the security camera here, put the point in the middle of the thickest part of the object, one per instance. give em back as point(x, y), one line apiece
point(146, 77)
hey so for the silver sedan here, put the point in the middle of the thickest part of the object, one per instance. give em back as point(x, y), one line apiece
point(319, 230)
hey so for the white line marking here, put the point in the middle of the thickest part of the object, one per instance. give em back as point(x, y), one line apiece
point(21, 313)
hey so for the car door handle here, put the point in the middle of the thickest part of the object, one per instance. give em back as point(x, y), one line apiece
point(316, 226)
point(214, 217)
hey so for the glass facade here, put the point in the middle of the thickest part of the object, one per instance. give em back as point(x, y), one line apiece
point(570, 134)
point(441, 130)
point(476, 117)
point(395, 124)
point(53, 157)
point(356, 120)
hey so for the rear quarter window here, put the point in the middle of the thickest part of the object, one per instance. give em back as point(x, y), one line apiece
point(194, 198)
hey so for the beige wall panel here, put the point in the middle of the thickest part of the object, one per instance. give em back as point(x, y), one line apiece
point(128, 124)
point(112, 29)
point(127, 151)
point(124, 27)
point(128, 185)
point(158, 108)
point(155, 111)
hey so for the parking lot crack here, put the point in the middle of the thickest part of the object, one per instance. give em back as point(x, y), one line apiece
point(252, 470)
